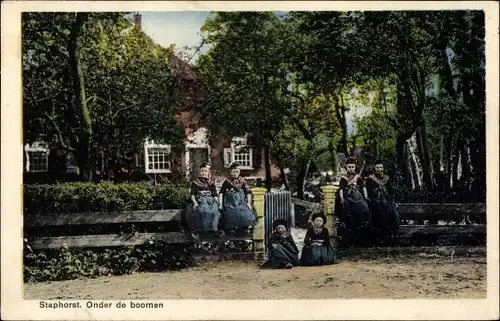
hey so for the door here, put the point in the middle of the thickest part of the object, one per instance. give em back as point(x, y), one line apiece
point(196, 157)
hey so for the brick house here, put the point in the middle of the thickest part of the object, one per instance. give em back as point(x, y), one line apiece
point(159, 162)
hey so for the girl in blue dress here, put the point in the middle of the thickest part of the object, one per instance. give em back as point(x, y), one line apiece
point(235, 202)
point(202, 212)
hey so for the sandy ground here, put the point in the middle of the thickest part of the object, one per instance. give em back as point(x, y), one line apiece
point(411, 277)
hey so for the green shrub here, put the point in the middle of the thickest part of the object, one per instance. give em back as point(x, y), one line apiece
point(67, 264)
point(101, 197)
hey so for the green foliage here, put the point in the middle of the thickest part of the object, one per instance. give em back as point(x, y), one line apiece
point(102, 197)
point(242, 73)
point(67, 264)
point(255, 87)
point(130, 91)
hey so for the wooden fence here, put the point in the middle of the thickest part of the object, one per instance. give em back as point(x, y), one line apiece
point(425, 217)
point(170, 220)
point(173, 233)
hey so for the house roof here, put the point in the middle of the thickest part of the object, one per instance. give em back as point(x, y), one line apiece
point(182, 68)
point(191, 93)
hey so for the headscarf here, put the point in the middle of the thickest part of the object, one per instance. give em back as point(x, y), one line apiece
point(278, 222)
point(318, 230)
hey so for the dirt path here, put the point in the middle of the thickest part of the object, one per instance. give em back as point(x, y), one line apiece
point(415, 277)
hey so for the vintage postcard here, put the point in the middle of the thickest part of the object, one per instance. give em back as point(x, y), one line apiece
point(220, 160)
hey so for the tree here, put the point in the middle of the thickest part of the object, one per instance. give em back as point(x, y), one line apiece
point(306, 71)
point(243, 74)
point(255, 89)
point(96, 66)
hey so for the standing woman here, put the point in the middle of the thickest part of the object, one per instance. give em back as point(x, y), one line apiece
point(318, 249)
point(382, 206)
point(202, 212)
point(353, 209)
point(235, 202)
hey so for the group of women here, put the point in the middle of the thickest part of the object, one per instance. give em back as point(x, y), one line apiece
point(366, 206)
point(363, 206)
point(230, 209)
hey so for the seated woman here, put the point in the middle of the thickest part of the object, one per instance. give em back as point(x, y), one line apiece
point(235, 203)
point(353, 208)
point(202, 212)
point(283, 252)
point(318, 249)
point(382, 206)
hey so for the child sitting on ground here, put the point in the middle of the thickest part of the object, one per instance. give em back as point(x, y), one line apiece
point(283, 252)
point(318, 249)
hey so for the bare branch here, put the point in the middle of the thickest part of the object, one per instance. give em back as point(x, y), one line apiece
point(58, 133)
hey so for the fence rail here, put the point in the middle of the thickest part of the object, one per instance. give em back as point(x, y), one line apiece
point(41, 220)
point(271, 206)
point(421, 211)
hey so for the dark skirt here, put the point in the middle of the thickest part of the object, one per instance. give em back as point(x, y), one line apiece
point(236, 213)
point(318, 255)
point(384, 213)
point(354, 212)
point(282, 255)
point(205, 217)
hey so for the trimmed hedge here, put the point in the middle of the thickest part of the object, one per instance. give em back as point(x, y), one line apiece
point(102, 197)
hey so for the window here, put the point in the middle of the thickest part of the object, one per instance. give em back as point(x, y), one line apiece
point(37, 157)
point(241, 153)
point(156, 158)
point(71, 164)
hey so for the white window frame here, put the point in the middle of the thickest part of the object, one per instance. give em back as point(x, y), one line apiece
point(151, 144)
point(37, 147)
point(237, 144)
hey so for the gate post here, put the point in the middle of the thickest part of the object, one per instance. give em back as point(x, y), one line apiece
point(258, 230)
point(329, 208)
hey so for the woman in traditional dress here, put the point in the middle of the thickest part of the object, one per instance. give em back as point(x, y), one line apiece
point(353, 208)
point(283, 252)
point(318, 249)
point(382, 206)
point(202, 212)
point(235, 202)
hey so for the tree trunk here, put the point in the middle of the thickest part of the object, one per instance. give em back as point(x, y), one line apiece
point(449, 158)
point(410, 167)
point(400, 157)
point(415, 167)
point(412, 146)
point(80, 104)
point(456, 163)
point(301, 178)
point(464, 161)
point(335, 163)
point(284, 178)
point(340, 111)
point(441, 154)
point(426, 157)
point(267, 161)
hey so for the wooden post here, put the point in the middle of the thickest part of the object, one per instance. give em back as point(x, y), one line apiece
point(329, 208)
point(258, 230)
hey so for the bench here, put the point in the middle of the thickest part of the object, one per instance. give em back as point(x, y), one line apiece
point(39, 222)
